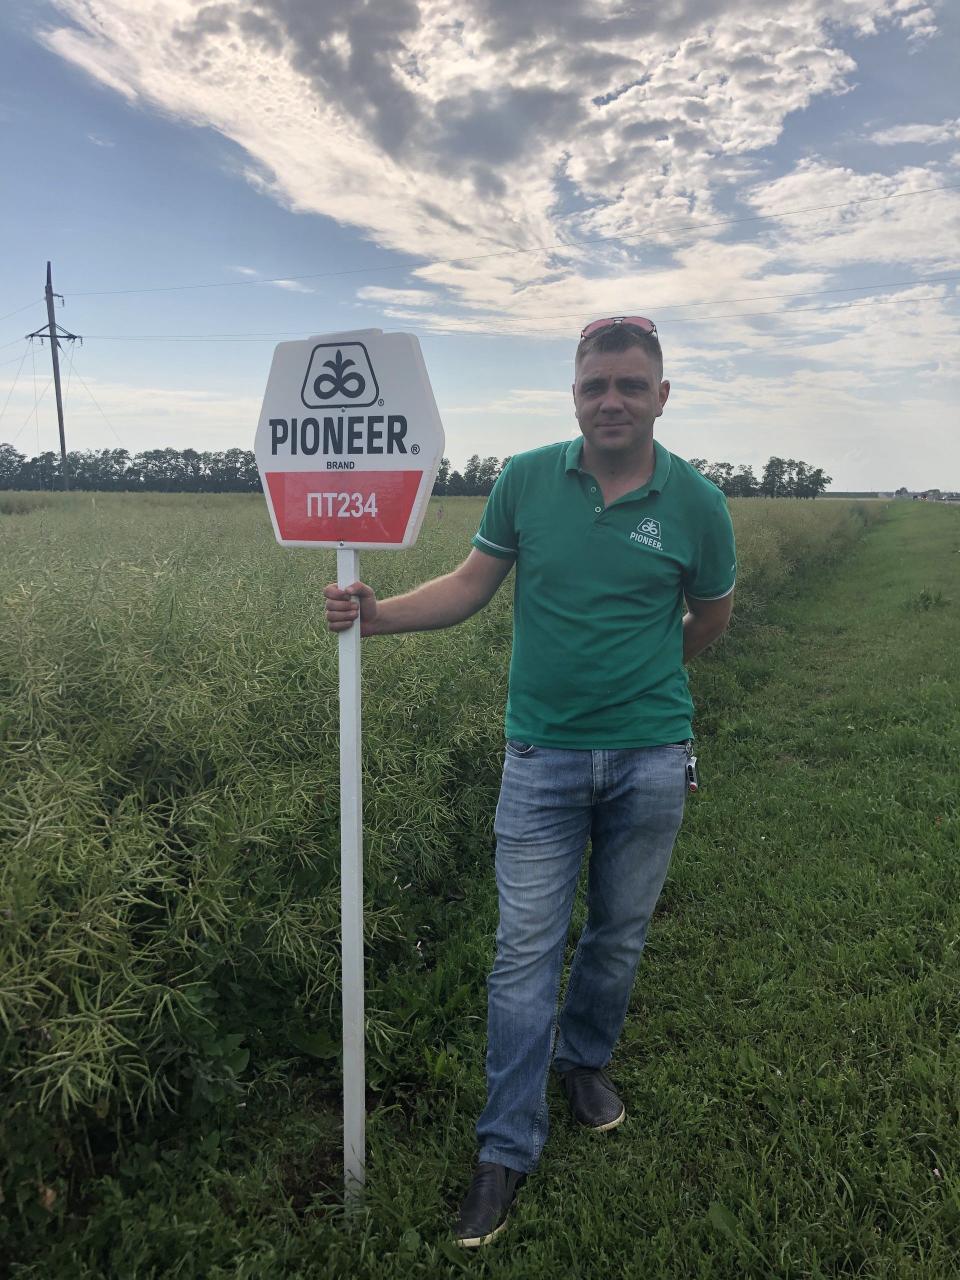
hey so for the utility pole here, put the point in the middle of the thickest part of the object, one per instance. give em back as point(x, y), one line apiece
point(55, 332)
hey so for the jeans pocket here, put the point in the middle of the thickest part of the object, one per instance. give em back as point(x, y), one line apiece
point(519, 750)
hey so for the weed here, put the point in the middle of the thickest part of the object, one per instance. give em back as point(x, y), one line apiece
point(927, 599)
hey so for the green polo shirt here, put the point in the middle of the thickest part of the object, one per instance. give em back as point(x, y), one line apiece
point(598, 598)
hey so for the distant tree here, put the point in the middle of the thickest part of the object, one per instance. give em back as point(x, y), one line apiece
point(157, 470)
point(789, 478)
point(443, 477)
point(700, 464)
point(799, 480)
point(114, 468)
point(487, 474)
point(41, 472)
point(471, 475)
point(476, 480)
point(194, 470)
point(721, 473)
point(744, 484)
point(233, 471)
point(903, 492)
point(772, 481)
point(807, 481)
point(11, 466)
point(248, 473)
point(84, 468)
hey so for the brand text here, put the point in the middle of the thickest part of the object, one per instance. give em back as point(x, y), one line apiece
point(352, 434)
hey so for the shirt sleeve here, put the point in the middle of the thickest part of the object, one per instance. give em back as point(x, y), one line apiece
point(713, 573)
point(497, 535)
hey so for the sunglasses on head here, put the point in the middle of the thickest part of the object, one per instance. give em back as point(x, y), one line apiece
point(635, 322)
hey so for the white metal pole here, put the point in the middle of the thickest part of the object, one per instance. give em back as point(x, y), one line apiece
point(351, 896)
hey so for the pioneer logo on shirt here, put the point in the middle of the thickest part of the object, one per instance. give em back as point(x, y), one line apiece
point(647, 534)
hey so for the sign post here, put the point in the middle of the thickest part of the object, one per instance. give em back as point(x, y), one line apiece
point(348, 446)
point(351, 893)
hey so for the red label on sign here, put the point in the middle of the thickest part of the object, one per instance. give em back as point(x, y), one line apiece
point(320, 506)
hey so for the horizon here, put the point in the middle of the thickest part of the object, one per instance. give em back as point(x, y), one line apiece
point(852, 491)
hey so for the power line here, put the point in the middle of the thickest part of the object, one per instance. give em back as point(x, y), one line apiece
point(13, 384)
point(36, 402)
point(194, 337)
point(299, 333)
point(843, 306)
point(104, 416)
point(27, 307)
point(502, 253)
point(764, 297)
point(66, 393)
point(785, 315)
point(31, 412)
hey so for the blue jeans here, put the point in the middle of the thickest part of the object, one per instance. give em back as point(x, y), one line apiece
point(629, 804)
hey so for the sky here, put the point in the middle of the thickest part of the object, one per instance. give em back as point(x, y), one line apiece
point(777, 187)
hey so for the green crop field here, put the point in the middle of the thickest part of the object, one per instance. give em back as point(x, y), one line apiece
point(169, 915)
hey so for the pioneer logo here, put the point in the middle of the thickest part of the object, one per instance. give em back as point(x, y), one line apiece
point(353, 434)
point(339, 373)
point(647, 534)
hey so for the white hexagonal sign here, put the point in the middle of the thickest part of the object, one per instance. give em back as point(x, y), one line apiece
point(349, 440)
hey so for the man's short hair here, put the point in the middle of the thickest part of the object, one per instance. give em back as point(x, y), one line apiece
point(620, 337)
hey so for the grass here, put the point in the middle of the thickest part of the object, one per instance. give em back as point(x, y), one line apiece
point(169, 813)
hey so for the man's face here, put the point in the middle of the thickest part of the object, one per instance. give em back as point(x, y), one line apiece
point(617, 397)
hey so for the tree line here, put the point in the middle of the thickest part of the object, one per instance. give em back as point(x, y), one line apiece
point(475, 481)
point(235, 471)
point(781, 478)
point(119, 471)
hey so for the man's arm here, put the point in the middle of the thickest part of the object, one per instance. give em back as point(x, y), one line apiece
point(706, 620)
point(442, 602)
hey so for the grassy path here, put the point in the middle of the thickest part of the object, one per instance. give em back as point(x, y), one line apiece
point(791, 1061)
point(796, 1034)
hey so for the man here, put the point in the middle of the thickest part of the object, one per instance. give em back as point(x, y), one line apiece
point(609, 533)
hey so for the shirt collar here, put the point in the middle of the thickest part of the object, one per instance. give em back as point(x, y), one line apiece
point(661, 464)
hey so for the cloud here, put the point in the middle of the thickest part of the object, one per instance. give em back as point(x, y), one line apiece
point(926, 135)
point(398, 297)
point(292, 286)
point(551, 162)
point(441, 129)
point(920, 22)
point(104, 61)
point(884, 229)
point(99, 142)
